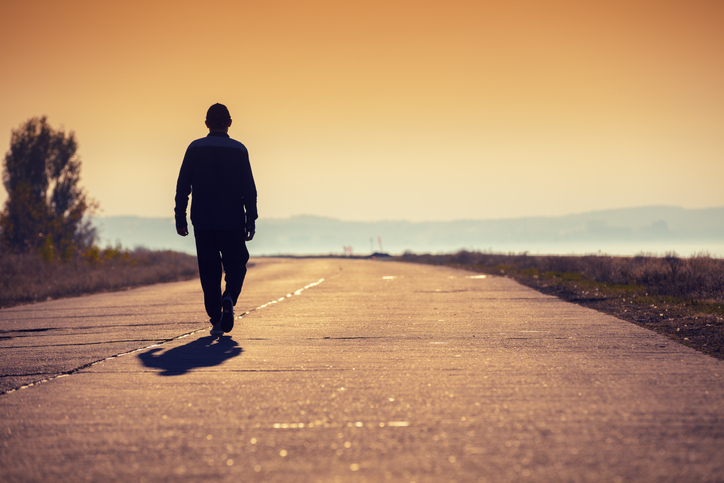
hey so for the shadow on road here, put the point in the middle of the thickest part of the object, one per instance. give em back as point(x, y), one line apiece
point(203, 352)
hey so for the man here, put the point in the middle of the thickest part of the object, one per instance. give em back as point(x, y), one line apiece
point(216, 170)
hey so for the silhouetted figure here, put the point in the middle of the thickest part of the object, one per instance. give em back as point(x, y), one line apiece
point(216, 170)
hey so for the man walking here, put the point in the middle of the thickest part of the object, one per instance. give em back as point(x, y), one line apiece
point(216, 170)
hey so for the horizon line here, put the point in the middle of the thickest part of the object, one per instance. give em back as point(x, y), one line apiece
point(398, 220)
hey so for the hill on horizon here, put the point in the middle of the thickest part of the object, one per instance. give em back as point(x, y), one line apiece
point(653, 229)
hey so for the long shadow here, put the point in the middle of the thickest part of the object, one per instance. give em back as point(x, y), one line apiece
point(204, 352)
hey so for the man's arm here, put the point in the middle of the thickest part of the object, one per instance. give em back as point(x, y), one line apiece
point(183, 190)
point(249, 200)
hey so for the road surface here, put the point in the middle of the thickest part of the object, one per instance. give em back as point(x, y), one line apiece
point(351, 370)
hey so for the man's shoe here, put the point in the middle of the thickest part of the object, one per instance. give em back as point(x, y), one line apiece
point(216, 327)
point(227, 314)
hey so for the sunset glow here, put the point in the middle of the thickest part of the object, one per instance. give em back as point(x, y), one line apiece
point(416, 110)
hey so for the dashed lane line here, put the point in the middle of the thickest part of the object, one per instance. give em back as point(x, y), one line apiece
point(158, 344)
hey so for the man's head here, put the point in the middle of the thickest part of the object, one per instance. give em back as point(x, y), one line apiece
point(218, 118)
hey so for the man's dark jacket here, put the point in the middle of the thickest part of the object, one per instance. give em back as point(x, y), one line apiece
point(217, 170)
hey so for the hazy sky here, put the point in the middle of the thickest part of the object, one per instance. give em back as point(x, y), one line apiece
point(417, 110)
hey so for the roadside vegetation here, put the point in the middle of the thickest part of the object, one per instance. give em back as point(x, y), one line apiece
point(27, 277)
point(47, 242)
point(682, 298)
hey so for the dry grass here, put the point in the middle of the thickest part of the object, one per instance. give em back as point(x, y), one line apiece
point(682, 298)
point(26, 278)
point(697, 278)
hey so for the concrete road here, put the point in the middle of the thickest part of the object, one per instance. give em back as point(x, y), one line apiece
point(351, 370)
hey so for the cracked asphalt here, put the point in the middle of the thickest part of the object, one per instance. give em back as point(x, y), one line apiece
point(351, 370)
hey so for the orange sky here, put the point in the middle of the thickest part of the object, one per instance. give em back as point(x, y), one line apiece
point(417, 110)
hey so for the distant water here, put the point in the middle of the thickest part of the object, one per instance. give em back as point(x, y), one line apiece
point(653, 248)
point(614, 249)
point(626, 232)
point(683, 249)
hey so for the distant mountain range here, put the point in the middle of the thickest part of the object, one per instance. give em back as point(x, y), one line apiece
point(655, 229)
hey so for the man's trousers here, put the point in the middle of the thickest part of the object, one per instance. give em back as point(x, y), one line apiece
point(217, 251)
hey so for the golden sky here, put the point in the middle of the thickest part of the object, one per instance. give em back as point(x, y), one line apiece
point(416, 110)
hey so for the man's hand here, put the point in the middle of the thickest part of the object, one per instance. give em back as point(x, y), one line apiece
point(250, 230)
point(182, 230)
